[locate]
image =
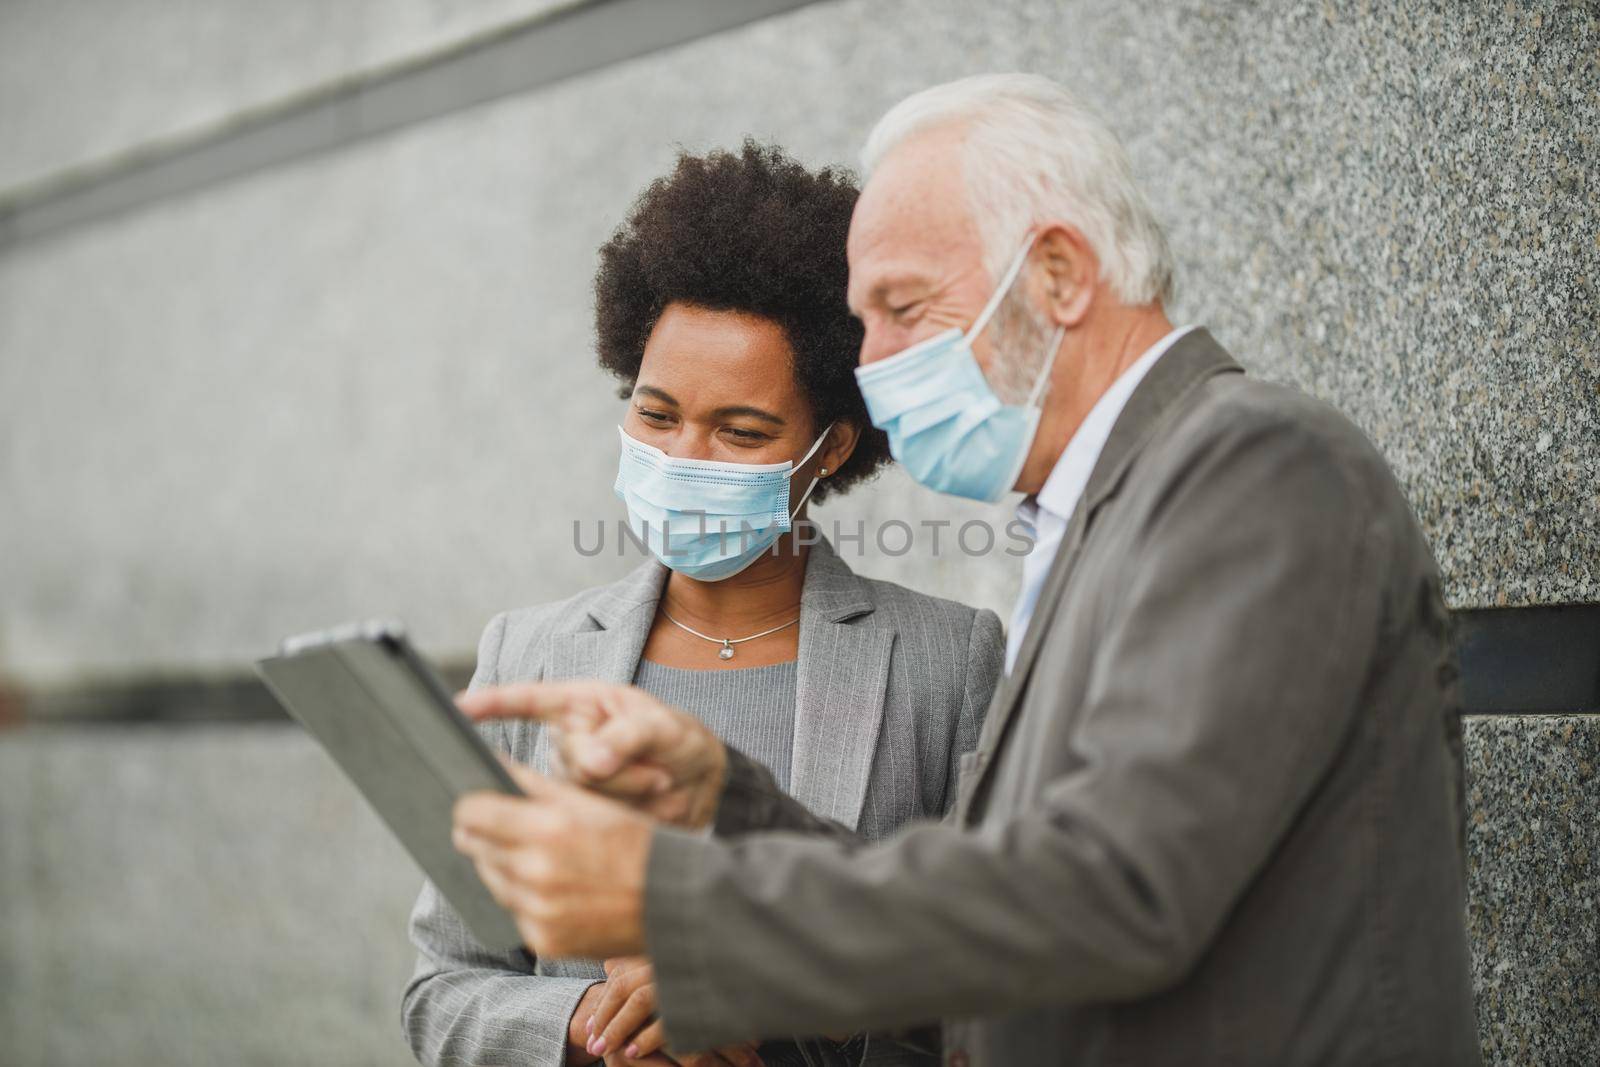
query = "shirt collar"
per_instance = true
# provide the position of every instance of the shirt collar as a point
(1070, 476)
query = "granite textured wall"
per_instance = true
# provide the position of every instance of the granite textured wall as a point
(360, 384)
(328, 389)
(1533, 836)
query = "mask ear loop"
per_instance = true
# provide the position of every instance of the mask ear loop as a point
(1036, 396)
(814, 478)
(1035, 409)
(1001, 290)
(1042, 382)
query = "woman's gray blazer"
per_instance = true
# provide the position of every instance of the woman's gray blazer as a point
(892, 689)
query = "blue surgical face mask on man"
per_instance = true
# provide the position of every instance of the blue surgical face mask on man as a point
(945, 424)
(703, 518)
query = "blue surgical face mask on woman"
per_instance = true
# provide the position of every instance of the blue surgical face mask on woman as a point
(945, 425)
(703, 518)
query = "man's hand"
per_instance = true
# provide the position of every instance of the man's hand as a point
(569, 866)
(620, 742)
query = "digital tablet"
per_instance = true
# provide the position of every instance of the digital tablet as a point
(389, 721)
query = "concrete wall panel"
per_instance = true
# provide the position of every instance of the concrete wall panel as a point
(84, 82)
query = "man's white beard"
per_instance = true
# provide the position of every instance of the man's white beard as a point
(1019, 337)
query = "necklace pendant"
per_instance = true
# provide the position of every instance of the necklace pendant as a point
(725, 652)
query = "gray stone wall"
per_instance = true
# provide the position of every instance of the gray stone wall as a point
(334, 388)
(360, 384)
(1533, 837)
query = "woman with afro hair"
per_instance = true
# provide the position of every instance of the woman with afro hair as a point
(720, 305)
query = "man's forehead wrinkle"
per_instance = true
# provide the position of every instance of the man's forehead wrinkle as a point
(914, 216)
(916, 255)
(883, 264)
(912, 223)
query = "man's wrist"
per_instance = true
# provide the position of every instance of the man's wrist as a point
(719, 785)
(743, 799)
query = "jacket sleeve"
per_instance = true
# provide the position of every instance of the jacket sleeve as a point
(751, 801)
(466, 1004)
(1225, 677)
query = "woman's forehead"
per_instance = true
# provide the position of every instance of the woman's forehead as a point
(712, 359)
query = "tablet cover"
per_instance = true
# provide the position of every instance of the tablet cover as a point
(389, 723)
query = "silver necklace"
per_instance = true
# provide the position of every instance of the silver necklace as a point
(727, 643)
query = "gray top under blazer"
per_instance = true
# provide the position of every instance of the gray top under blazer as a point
(892, 689)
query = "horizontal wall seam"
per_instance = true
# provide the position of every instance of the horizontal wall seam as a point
(1515, 662)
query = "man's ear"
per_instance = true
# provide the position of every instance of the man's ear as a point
(837, 448)
(1066, 273)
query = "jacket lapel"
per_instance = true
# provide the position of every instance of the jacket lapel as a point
(839, 692)
(619, 621)
(839, 697)
(1193, 359)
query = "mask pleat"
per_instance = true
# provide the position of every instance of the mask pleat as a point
(704, 518)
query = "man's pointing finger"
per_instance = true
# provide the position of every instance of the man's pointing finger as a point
(570, 703)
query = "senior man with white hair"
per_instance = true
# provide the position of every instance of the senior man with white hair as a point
(1214, 814)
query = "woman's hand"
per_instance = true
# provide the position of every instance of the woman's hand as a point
(624, 1018)
(625, 1021)
(578, 1029)
(580, 1034)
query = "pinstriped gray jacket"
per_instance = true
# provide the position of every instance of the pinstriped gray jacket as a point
(892, 688)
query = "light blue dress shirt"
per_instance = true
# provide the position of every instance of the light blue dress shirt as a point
(1047, 513)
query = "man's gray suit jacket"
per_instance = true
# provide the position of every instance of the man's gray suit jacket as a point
(1214, 814)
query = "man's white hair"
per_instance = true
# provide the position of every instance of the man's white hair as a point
(1034, 151)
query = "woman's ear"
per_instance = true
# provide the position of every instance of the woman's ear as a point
(842, 438)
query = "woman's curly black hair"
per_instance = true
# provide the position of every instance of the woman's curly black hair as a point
(754, 232)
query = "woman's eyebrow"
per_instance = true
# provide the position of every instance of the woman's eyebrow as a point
(720, 413)
(749, 412)
(660, 394)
